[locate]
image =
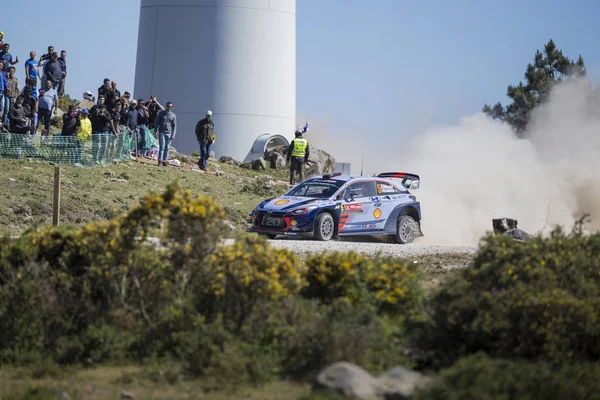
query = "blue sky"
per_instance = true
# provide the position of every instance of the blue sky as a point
(377, 67)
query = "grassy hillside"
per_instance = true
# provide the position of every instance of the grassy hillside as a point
(91, 194)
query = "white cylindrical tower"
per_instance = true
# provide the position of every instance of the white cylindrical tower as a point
(236, 58)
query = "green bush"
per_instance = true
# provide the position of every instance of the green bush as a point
(535, 300)
(480, 377)
(390, 285)
(86, 294)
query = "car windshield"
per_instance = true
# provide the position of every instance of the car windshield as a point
(317, 188)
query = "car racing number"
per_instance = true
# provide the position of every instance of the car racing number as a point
(268, 220)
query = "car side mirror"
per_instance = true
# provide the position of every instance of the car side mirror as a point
(414, 185)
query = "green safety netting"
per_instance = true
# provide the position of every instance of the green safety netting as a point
(145, 140)
(96, 150)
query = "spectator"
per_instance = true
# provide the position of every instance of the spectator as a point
(124, 110)
(30, 103)
(53, 71)
(3, 86)
(48, 100)
(153, 108)
(31, 67)
(11, 92)
(104, 89)
(63, 63)
(101, 129)
(18, 119)
(116, 118)
(113, 96)
(143, 121)
(7, 57)
(85, 126)
(131, 122)
(45, 58)
(204, 134)
(166, 126)
(71, 122)
(1, 38)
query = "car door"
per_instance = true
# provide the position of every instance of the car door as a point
(356, 210)
(387, 199)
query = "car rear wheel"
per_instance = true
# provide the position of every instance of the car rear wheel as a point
(324, 227)
(406, 230)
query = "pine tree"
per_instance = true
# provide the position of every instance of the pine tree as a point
(548, 68)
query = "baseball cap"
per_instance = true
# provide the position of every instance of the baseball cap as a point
(209, 112)
(85, 111)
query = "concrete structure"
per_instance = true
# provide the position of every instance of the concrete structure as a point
(236, 58)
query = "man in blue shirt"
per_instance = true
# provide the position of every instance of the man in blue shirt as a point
(7, 57)
(3, 85)
(31, 67)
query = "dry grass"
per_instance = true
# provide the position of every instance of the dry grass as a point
(88, 194)
(109, 383)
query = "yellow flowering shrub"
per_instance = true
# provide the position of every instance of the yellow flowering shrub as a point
(536, 299)
(108, 268)
(249, 271)
(389, 283)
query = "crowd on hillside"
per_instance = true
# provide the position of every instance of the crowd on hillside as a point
(27, 109)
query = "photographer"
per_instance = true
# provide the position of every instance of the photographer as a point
(71, 121)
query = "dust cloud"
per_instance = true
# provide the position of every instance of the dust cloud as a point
(478, 170)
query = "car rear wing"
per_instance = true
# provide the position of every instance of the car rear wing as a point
(409, 181)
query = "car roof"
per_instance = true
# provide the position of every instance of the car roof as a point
(347, 178)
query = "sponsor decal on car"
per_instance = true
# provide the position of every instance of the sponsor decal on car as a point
(352, 208)
(377, 213)
(280, 202)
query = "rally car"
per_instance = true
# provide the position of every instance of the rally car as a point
(335, 205)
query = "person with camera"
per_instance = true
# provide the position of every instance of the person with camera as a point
(102, 127)
(71, 122)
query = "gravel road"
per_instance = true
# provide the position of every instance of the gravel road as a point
(369, 248)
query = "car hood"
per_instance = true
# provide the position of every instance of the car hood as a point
(285, 203)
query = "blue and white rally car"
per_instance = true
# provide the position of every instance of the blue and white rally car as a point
(335, 205)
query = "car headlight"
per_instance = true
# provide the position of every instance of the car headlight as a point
(303, 210)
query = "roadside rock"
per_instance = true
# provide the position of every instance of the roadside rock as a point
(508, 227)
(326, 160)
(259, 164)
(401, 383)
(518, 234)
(347, 379)
(229, 160)
(127, 395)
(276, 159)
(352, 381)
(313, 169)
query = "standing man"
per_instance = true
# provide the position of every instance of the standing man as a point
(48, 102)
(63, 63)
(7, 57)
(31, 67)
(298, 153)
(3, 86)
(204, 133)
(53, 71)
(11, 92)
(166, 127)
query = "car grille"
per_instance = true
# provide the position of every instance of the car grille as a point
(272, 220)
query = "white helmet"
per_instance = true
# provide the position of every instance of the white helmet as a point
(88, 95)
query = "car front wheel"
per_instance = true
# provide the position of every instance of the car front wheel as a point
(406, 230)
(324, 227)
